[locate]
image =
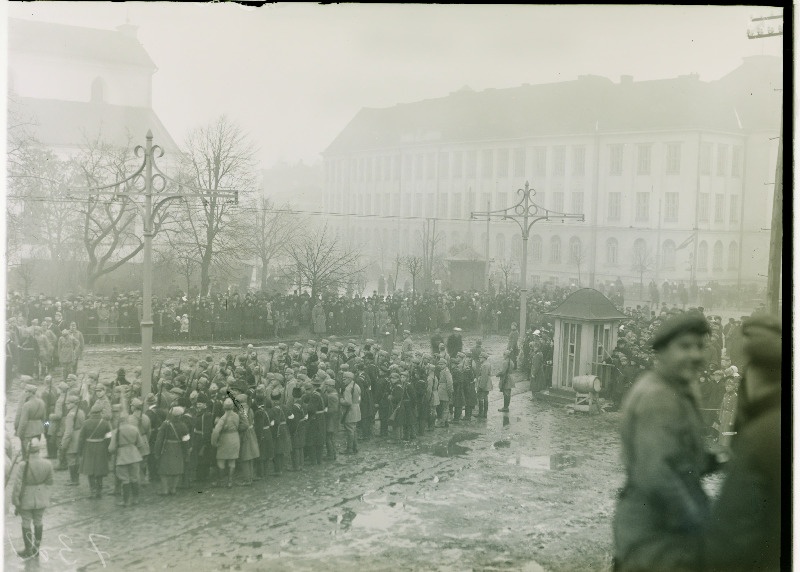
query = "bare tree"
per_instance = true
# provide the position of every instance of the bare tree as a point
(218, 156)
(430, 239)
(25, 271)
(269, 230)
(507, 267)
(414, 265)
(109, 231)
(641, 263)
(578, 257)
(320, 261)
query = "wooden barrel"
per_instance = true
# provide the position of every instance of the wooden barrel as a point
(586, 384)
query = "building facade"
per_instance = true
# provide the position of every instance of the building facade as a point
(673, 176)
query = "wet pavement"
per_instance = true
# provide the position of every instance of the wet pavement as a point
(529, 490)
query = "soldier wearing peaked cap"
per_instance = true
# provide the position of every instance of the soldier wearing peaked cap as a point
(93, 449)
(31, 497)
(31, 415)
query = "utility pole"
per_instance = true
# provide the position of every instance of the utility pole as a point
(150, 182)
(526, 213)
(765, 27)
(488, 219)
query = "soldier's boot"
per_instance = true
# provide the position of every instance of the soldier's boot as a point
(37, 540)
(302, 457)
(117, 487)
(469, 414)
(92, 487)
(294, 460)
(99, 481)
(27, 538)
(74, 477)
(134, 493)
(126, 494)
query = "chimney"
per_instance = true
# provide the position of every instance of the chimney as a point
(625, 79)
(128, 30)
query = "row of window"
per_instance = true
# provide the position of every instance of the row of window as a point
(506, 162)
(462, 205)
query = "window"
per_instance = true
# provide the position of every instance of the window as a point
(486, 198)
(98, 90)
(408, 167)
(470, 204)
(429, 200)
(502, 200)
(671, 207)
(703, 210)
(642, 207)
(456, 206)
(615, 161)
(555, 250)
(559, 158)
(705, 158)
(430, 166)
(519, 162)
(516, 247)
(458, 164)
(540, 161)
(472, 163)
(673, 158)
(536, 248)
(612, 247)
(575, 250)
(418, 166)
(558, 202)
(736, 161)
(734, 207)
(502, 163)
(488, 163)
(442, 205)
(614, 202)
(578, 160)
(500, 248)
(639, 248)
(733, 256)
(702, 256)
(643, 163)
(668, 255)
(719, 208)
(444, 165)
(722, 160)
(717, 258)
(577, 203)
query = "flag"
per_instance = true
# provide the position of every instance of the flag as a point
(686, 242)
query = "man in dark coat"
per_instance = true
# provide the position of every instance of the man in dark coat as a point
(745, 527)
(662, 509)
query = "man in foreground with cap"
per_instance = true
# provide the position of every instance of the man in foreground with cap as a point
(29, 423)
(31, 496)
(744, 532)
(662, 509)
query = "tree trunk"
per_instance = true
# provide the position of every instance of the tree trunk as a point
(205, 278)
(264, 265)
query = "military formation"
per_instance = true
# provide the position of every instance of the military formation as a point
(242, 418)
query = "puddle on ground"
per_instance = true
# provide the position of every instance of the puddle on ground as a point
(504, 444)
(544, 462)
(451, 447)
(380, 513)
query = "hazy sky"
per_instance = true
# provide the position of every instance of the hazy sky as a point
(294, 75)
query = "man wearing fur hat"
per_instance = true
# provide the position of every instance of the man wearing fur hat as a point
(31, 496)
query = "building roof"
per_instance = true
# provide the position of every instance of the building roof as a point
(587, 304)
(76, 42)
(585, 105)
(72, 124)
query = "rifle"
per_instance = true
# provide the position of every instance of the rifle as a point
(13, 464)
(24, 475)
(158, 386)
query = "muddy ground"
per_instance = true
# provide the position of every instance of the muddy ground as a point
(530, 490)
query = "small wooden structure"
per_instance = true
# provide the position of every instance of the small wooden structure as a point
(586, 325)
(467, 270)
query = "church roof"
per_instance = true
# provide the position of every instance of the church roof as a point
(72, 124)
(587, 304)
(585, 105)
(76, 42)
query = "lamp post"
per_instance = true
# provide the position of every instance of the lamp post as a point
(525, 213)
(150, 182)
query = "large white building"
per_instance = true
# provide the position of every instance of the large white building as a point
(667, 172)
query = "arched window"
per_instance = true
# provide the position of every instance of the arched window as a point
(575, 250)
(717, 259)
(536, 248)
(555, 250)
(98, 90)
(612, 248)
(639, 247)
(516, 247)
(702, 256)
(500, 249)
(668, 255)
(733, 256)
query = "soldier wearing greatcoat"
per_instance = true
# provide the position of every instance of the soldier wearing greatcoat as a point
(31, 497)
(93, 449)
